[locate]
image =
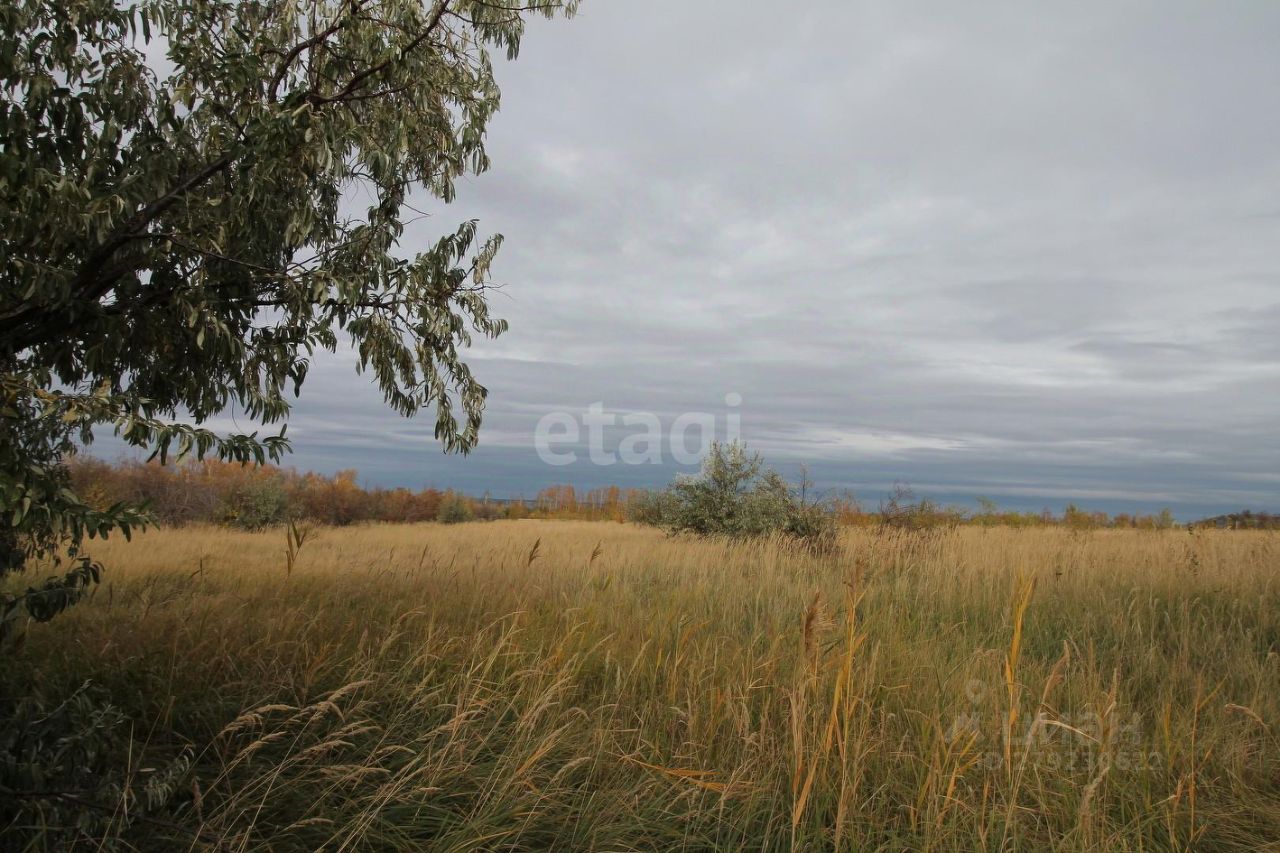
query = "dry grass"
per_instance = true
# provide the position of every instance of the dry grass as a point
(574, 685)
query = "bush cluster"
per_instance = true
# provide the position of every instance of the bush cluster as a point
(454, 509)
(245, 496)
(735, 496)
(255, 497)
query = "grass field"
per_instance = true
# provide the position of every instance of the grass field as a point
(595, 686)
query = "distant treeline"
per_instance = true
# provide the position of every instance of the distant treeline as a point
(254, 497)
(1246, 520)
(251, 498)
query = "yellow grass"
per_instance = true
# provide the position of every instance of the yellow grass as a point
(596, 686)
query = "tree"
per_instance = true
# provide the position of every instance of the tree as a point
(200, 194)
(733, 495)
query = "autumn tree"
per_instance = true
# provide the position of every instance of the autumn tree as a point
(198, 195)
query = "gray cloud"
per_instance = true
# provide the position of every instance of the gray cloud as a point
(1008, 249)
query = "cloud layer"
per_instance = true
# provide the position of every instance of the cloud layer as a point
(1027, 253)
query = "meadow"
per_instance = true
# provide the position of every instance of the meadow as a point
(560, 685)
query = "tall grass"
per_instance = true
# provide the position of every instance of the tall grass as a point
(573, 685)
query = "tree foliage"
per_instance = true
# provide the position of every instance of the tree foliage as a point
(200, 194)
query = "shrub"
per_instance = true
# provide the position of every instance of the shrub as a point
(454, 508)
(735, 496)
(62, 781)
(256, 504)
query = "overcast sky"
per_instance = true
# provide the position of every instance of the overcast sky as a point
(994, 249)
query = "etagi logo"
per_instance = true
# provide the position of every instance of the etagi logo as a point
(558, 436)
